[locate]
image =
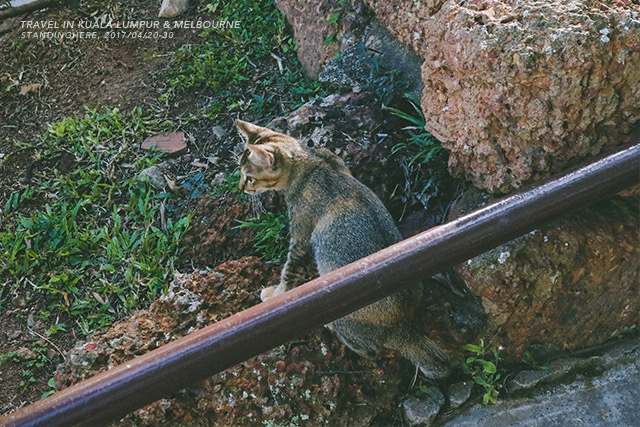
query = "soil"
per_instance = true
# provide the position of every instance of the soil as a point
(75, 75)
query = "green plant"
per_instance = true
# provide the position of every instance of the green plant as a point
(52, 384)
(421, 390)
(101, 242)
(484, 371)
(272, 238)
(54, 329)
(30, 365)
(226, 60)
(424, 146)
(422, 157)
(528, 359)
(230, 185)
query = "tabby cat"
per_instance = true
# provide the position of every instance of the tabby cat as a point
(336, 220)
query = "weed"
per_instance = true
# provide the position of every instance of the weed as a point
(528, 359)
(423, 159)
(421, 390)
(52, 384)
(483, 371)
(29, 365)
(425, 146)
(272, 237)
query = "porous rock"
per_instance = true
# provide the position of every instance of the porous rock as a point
(570, 284)
(518, 90)
(319, 40)
(214, 235)
(314, 380)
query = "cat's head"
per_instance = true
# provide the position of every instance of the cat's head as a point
(264, 160)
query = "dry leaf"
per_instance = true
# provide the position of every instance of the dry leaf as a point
(97, 297)
(33, 87)
(171, 183)
(66, 298)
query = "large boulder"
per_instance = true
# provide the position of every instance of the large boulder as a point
(570, 284)
(517, 90)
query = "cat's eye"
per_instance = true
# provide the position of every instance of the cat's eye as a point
(249, 180)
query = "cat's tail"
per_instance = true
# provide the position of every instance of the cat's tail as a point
(419, 349)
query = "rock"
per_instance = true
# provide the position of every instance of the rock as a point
(421, 411)
(304, 117)
(13, 334)
(350, 112)
(569, 284)
(459, 393)
(530, 379)
(33, 321)
(390, 54)
(155, 177)
(80, 359)
(309, 380)
(160, 174)
(9, 24)
(278, 124)
(561, 368)
(219, 133)
(349, 69)
(172, 8)
(213, 237)
(317, 38)
(26, 354)
(518, 90)
(173, 143)
(308, 18)
(19, 301)
(609, 398)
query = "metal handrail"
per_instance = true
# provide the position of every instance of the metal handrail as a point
(112, 394)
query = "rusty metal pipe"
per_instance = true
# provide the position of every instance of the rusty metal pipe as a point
(145, 379)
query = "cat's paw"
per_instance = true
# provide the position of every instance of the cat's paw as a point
(269, 292)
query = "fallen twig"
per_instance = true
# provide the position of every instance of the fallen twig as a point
(49, 341)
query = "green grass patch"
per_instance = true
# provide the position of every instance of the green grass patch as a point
(272, 237)
(226, 61)
(102, 242)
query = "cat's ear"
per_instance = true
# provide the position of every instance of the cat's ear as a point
(261, 155)
(250, 132)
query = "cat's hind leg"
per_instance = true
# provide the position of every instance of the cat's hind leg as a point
(419, 349)
(357, 337)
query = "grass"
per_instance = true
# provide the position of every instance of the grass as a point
(229, 186)
(272, 236)
(101, 242)
(227, 60)
(423, 159)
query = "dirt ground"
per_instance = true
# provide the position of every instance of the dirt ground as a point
(73, 75)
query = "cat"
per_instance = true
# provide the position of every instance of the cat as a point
(335, 220)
